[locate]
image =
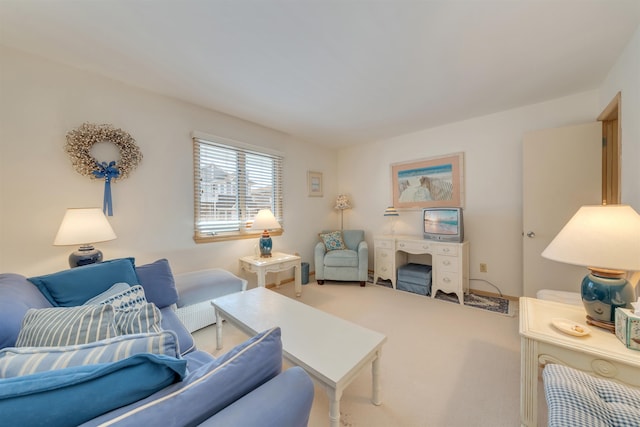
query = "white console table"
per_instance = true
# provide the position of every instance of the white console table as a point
(449, 261)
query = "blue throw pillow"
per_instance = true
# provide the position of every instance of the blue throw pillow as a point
(209, 388)
(73, 287)
(71, 396)
(19, 361)
(158, 283)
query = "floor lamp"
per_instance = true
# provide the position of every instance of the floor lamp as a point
(342, 203)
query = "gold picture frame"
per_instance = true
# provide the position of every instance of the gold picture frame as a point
(314, 184)
(432, 182)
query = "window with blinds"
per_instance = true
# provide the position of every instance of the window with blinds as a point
(232, 182)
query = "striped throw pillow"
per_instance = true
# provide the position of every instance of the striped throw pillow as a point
(145, 319)
(61, 326)
(18, 361)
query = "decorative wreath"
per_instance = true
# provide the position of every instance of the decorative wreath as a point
(80, 141)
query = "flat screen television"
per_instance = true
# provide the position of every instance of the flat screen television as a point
(443, 224)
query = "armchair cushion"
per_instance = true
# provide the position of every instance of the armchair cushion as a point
(333, 240)
(341, 258)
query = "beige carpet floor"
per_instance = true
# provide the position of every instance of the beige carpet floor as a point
(443, 365)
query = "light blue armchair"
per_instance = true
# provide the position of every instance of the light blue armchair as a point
(350, 264)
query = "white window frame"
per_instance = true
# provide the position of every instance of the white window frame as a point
(227, 195)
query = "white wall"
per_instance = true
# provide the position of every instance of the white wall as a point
(624, 77)
(492, 146)
(153, 209)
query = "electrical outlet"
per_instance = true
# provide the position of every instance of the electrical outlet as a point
(483, 267)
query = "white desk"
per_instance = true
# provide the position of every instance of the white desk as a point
(449, 261)
(599, 353)
(309, 338)
(274, 264)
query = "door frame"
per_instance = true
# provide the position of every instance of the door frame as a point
(611, 150)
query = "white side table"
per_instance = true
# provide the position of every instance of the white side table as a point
(274, 264)
(600, 353)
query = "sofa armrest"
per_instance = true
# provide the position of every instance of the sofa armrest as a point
(285, 401)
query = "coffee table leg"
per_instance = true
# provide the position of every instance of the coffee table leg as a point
(334, 406)
(375, 374)
(218, 330)
(297, 274)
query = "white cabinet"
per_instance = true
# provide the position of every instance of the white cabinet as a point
(449, 262)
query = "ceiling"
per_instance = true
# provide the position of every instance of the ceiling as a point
(335, 72)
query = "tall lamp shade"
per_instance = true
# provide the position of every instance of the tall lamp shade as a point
(84, 226)
(606, 240)
(342, 203)
(265, 220)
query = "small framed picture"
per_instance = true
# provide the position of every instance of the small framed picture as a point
(314, 184)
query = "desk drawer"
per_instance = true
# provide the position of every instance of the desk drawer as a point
(448, 282)
(447, 264)
(383, 244)
(450, 250)
(414, 247)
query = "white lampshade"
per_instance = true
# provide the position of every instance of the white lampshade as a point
(83, 226)
(604, 237)
(265, 220)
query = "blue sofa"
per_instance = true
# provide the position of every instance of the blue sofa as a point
(179, 386)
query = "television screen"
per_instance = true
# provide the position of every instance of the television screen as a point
(443, 224)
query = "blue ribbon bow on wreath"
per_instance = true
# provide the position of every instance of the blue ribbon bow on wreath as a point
(108, 172)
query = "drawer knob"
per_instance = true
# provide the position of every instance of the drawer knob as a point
(383, 254)
(447, 262)
(446, 280)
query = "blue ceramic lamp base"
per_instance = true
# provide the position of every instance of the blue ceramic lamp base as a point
(265, 245)
(602, 292)
(85, 255)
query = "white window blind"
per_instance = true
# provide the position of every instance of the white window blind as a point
(231, 184)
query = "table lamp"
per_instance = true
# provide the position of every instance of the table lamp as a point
(393, 214)
(84, 226)
(265, 220)
(606, 240)
(342, 203)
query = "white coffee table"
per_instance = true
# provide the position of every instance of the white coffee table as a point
(277, 262)
(333, 351)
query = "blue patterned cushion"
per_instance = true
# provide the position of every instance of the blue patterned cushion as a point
(145, 319)
(73, 287)
(575, 398)
(114, 290)
(60, 326)
(131, 298)
(18, 361)
(69, 397)
(333, 241)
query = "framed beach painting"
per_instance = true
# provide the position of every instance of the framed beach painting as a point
(314, 184)
(426, 183)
